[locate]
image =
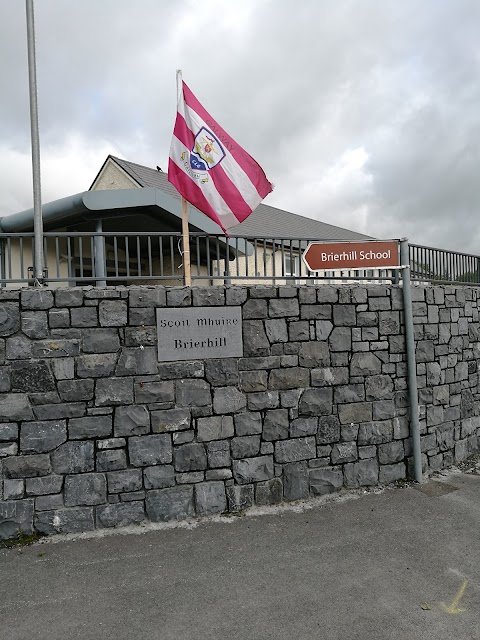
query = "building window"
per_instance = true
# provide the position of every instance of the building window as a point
(291, 265)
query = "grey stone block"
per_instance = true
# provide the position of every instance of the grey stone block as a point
(68, 298)
(84, 317)
(316, 311)
(159, 477)
(75, 390)
(41, 437)
(175, 370)
(228, 400)
(295, 481)
(34, 324)
(365, 364)
(214, 428)
(255, 341)
(73, 520)
(248, 423)
(46, 503)
(276, 425)
(425, 351)
(182, 437)
(235, 295)
(54, 348)
(8, 449)
(73, 457)
(132, 420)
(124, 481)
(59, 411)
(150, 450)
(157, 391)
(375, 433)
(361, 474)
(323, 329)
(96, 366)
(44, 485)
(392, 472)
(340, 339)
(140, 336)
(325, 480)
(295, 449)
(141, 317)
(36, 299)
(193, 393)
(147, 297)
(299, 330)
(245, 446)
(218, 474)
(383, 410)
(253, 469)
(9, 318)
(63, 368)
(26, 466)
(316, 402)
(90, 427)
(329, 376)
(210, 498)
(19, 347)
(58, 318)
(379, 387)
(301, 427)
(136, 361)
(8, 431)
(208, 297)
(16, 517)
(190, 477)
(222, 372)
(13, 489)
(240, 497)
(281, 308)
(269, 492)
(276, 330)
(121, 514)
(190, 457)
(171, 420)
(112, 313)
(31, 376)
(355, 412)
(85, 489)
(111, 460)
(349, 393)
(175, 503)
(344, 315)
(100, 341)
(218, 453)
(252, 381)
(344, 452)
(114, 391)
(255, 309)
(289, 378)
(314, 354)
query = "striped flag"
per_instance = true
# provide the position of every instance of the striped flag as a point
(209, 169)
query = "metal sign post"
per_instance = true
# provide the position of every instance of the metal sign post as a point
(38, 263)
(411, 362)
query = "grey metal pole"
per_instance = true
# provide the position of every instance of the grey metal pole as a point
(38, 264)
(100, 257)
(411, 362)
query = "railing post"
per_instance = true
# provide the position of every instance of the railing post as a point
(411, 361)
(99, 258)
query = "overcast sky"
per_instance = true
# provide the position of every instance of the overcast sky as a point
(363, 113)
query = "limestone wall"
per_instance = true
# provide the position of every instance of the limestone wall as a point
(95, 432)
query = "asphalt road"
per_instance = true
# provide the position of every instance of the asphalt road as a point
(360, 568)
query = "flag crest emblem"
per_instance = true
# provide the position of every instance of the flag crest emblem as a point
(207, 151)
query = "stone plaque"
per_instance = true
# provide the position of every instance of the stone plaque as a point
(198, 333)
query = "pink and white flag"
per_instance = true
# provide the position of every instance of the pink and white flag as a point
(209, 169)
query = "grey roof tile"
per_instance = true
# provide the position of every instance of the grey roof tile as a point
(262, 223)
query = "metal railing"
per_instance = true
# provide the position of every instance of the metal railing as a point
(428, 264)
(77, 258)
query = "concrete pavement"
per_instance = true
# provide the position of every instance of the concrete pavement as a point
(359, 568)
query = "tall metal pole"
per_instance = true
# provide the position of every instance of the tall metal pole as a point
(185, 232)
(99, 261)
(411, 361)
(38, 263)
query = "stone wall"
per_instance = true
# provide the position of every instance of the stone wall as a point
(94, 432)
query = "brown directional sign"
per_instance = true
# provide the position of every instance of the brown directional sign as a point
(319, 256)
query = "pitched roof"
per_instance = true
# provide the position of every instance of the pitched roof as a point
(264, 222)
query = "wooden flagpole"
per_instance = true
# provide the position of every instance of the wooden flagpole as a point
(185, 232)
